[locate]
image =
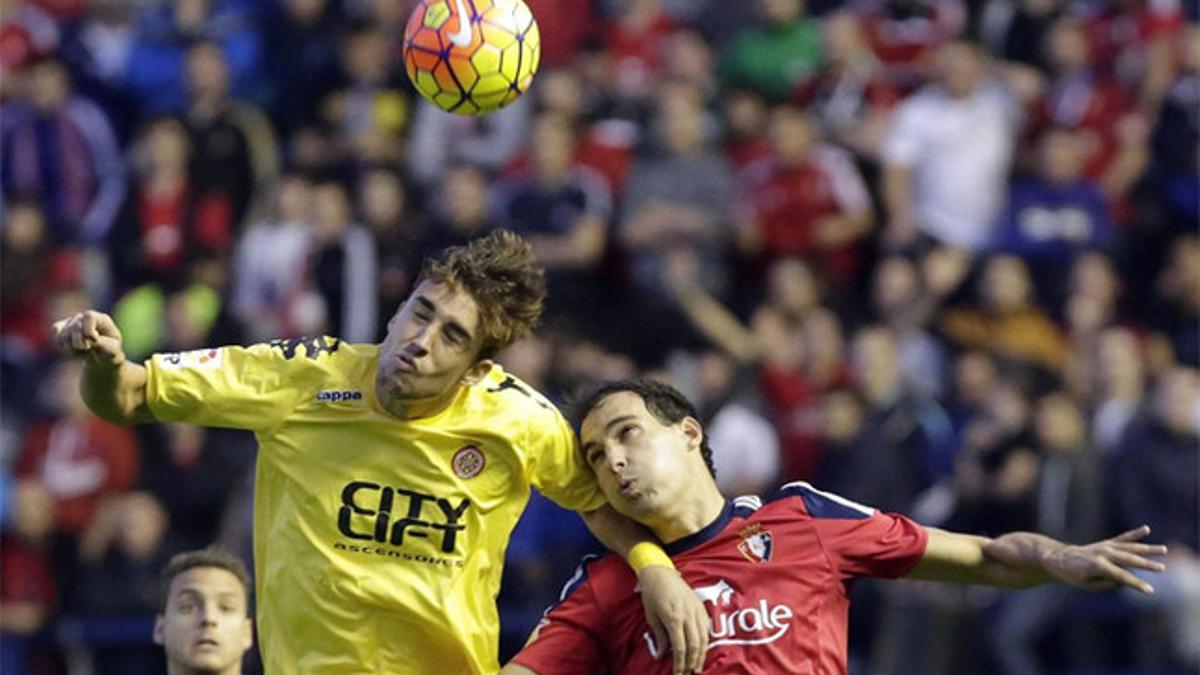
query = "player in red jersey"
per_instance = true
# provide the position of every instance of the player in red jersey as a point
(771, 572)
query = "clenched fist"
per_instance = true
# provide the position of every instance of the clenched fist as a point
(91, 335)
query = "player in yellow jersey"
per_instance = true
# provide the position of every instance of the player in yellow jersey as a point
(390, 476)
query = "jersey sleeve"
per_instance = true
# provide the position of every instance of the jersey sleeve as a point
(567, 640)
(556, 467)
(236, 387)
(861, 541)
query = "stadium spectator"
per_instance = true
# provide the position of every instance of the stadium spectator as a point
(562, 210)
(59, 149)
(948, 153)
(851, 96)
(439, 142)
(28, 591)
(80, 459)
(233, 158)
(342, 265)
(907, 34)
(1008, 322)
(1068, 507)
(384, 206)
(157, 65)
(301, 54)
(1059, 211)
(1177, 313)
(677, 203)
(368, 110)
(1157, 478)
(901, 302)
(272, 288)
(808, 200)
(776, 57)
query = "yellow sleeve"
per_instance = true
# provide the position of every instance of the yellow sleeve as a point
(556, 468)
(237, 387)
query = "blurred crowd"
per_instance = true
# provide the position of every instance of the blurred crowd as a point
(938, 256)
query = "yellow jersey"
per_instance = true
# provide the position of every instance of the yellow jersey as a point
(378, 542)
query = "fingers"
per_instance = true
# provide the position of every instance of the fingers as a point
(678, 648)
(1132, 535)
(1132, 561)
(1157, 550)
(1123, 577)
(660, 637)
(90, 326)
(696, 645)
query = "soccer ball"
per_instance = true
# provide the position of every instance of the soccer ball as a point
(471, 57)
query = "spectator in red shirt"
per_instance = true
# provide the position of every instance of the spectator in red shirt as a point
(808, 200)
(27, 588)
(78, 457)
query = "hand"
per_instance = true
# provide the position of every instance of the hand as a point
(675, 612)
(91, 335)
(1105, 564)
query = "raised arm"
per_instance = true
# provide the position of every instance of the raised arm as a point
(673, 611)
(112, 387)
(1025, 559)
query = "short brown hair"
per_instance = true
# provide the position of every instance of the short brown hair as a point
(502, 276)
(213, 556)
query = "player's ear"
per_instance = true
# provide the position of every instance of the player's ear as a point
(693, 430)
(477, 372)
(158, 629)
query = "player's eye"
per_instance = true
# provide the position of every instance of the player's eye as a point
(626, 432)
(595, 455)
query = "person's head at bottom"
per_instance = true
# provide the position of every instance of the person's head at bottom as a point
(205, 626)
(650, 455)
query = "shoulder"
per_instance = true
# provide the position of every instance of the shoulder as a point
(502, 392)
(601, 576)
(809, 502)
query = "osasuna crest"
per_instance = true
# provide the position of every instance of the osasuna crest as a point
(756, 544)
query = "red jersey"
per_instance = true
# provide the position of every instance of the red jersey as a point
(772, 573)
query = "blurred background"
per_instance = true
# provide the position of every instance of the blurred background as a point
(939, 256)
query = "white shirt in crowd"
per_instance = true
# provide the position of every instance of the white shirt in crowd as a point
(959, 151)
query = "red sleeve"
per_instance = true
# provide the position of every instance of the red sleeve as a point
(567, 640)
(859, 540)
(881, 545)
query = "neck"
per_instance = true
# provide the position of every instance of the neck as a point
(174, 668)
(689, 514)
(412, 409)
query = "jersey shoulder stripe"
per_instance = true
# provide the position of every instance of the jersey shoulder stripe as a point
(746, 505)
(821, 504)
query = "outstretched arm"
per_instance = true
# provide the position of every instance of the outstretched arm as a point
(112, 387)
(1025, 559)
(673, 611)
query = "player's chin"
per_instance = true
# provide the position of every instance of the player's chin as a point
(213, 660)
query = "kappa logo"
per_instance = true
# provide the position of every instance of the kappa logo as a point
(338, 395)
(735, 622)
